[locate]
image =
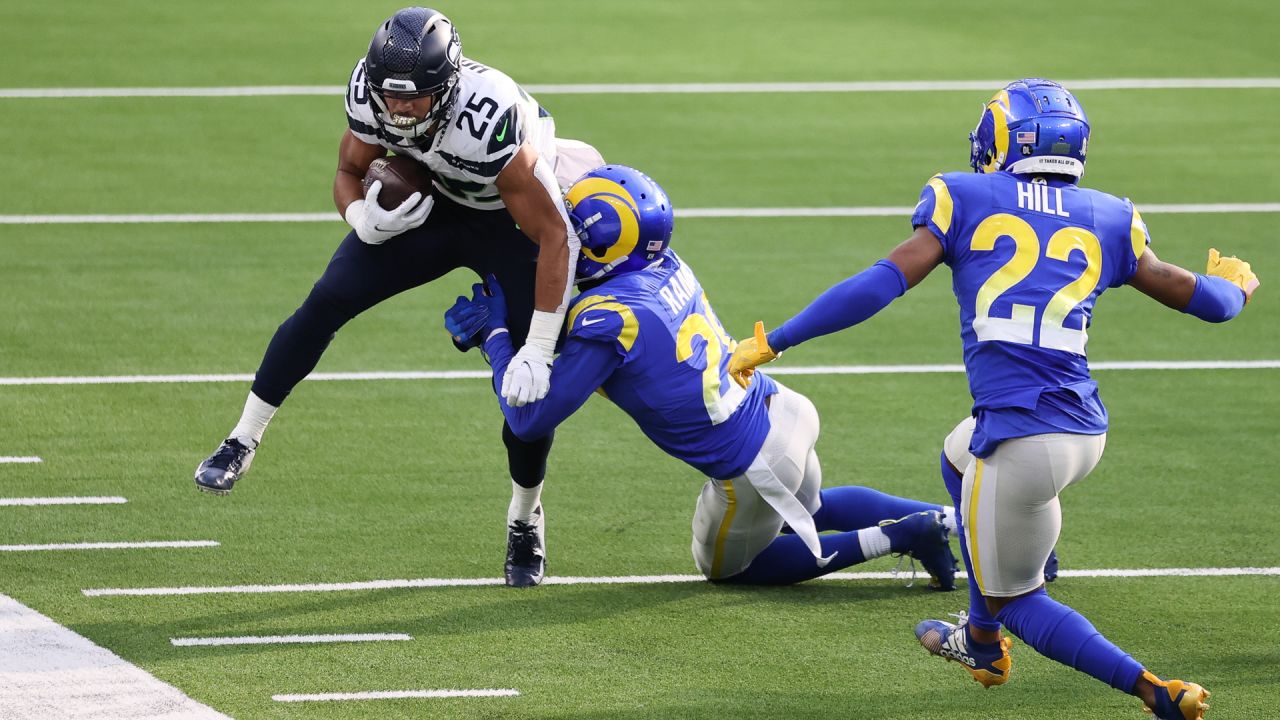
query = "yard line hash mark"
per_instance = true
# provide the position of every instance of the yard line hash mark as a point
(287, 639)
(483, 375)
(10, 459)
(14, 502)
(781, 212)
(398, 695)
(622, 580)
(1257, 83)
(111, 545)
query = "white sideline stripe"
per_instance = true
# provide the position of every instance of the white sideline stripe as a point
(795, 212)
(48, 671)
(10, 502)
(287, 639)
(111, 545)
(617, 580)
(668, 88)
(483, 375)
(10, 459)
(398, 695)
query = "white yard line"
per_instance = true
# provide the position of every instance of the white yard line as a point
(482, 374)
(616, 580)
(11, 459)
(287, 639)
(111, 545)
(398, 695)
(12, 502)
(791, 212)
(48, 671)
(987, 86)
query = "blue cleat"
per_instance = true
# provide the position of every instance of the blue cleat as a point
(1177, 699)
(526, 552)
(989, 667)
(923, 536)
(1051, 566)
(218, 473)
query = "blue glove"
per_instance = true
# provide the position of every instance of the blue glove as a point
(489, 294)
(466, 322)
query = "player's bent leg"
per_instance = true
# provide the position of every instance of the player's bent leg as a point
(526, 563)
(955, 459)
(853, 507)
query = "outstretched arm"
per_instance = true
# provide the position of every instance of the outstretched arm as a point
(581, 368)
(1217, 296)
(844, 305)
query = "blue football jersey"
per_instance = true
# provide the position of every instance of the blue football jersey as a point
(673, 379)
(1028, 260)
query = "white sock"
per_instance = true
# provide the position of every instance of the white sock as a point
(523, 502)
(874, 542)
(949, 519)
(253, 422)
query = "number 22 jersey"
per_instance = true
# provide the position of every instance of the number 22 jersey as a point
(1028, 260)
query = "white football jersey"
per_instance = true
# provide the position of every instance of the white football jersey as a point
(492, 117)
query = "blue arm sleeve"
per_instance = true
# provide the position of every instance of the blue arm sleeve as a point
(582, 367)
(1215, 299)
(844, 305)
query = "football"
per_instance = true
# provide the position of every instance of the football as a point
(401, 177)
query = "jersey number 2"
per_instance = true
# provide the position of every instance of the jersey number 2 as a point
(1020, 326)
(719, 406)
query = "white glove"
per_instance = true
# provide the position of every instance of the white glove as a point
(376, 226)
(528, 376)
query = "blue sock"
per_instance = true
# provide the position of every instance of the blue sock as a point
(1060, 633)
(979, 616)
(853, 507)
(786, 560)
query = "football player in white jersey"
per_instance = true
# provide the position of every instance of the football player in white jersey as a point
(496, 209)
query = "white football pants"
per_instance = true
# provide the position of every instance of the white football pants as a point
(732, 522)
(1009, 503)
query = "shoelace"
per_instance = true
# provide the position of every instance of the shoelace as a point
(229, 452)
(897, 569)
(523, 538)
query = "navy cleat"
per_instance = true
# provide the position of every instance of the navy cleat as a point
(1051, 566)
(1177, 699)
(923, 536)
(989, 666)
(219, 473)
(526, 552)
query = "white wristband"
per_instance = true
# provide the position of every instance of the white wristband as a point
(496, 332)
(354, 214)
(544, 330)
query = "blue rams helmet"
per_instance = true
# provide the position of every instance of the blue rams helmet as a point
(1032, 126)
(416, 53)
(623, 218)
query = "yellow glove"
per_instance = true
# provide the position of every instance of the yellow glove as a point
(750, 353)
(1233, 270)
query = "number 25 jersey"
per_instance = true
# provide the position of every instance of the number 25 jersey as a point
(1028, 260)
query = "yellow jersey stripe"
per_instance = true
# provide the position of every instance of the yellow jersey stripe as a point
(630, 326)
(1138, 235)
(971, 526)
(723, 532)
(942, 205)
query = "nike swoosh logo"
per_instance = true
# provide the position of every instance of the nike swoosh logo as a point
(921, 202)
(502, 134)
(592, 322)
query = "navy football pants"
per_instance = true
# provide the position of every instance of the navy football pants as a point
(360, 276)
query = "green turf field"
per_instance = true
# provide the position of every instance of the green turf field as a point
(378, 480)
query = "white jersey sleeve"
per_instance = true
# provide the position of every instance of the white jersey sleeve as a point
(360, 114)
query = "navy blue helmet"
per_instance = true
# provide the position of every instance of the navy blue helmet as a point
(416, 53)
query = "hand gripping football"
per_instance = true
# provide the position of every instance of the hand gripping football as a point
(401, 177)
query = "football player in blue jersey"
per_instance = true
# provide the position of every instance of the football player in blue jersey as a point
(643, 333)
(1029, 251)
